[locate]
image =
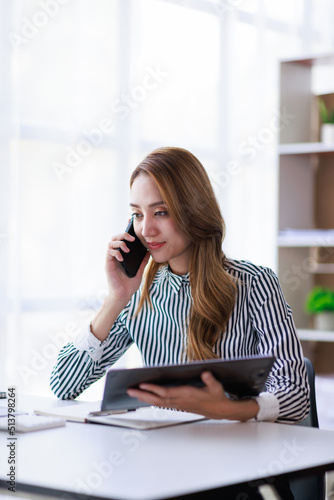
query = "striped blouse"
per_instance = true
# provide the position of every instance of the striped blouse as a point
(261, 324)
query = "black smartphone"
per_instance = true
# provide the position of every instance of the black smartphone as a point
(134, 258)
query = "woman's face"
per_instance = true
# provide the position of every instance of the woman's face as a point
(156, 228)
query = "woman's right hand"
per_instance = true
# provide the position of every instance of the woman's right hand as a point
(121, 287)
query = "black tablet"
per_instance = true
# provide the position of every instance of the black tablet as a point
(242, 377)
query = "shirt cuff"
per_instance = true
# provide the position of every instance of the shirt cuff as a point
(86, 341)
(268, 406)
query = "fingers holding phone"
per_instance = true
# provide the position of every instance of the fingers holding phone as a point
(119, 245)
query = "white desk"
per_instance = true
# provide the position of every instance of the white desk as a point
(123, 464)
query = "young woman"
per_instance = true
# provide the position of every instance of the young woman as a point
(192, 303)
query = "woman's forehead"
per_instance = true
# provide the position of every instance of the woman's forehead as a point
(144, 191)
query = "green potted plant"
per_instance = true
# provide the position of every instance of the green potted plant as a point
(327, 123)
(320, 303)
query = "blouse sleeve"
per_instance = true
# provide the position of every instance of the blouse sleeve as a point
(287, 389)
(84, 361)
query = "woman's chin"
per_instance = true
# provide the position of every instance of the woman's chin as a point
(159, 259)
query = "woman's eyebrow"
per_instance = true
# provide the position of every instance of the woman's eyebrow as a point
(155, 204)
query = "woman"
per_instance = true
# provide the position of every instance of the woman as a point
(194, 303)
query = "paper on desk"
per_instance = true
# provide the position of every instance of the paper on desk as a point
(148, 418)
(72, 412)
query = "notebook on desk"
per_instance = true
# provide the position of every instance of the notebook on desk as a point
(141, 419)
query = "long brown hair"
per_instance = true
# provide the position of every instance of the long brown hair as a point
(186, 189)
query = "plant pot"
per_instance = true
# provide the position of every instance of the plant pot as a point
(324, 321)
(327, 133)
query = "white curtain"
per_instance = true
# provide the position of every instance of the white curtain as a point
(87, 89)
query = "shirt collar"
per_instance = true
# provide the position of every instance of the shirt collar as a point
(175, 280)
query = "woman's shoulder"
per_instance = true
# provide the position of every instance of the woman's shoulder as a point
(260, 280)
(245, 269)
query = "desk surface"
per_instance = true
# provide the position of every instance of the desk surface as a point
(124, 464)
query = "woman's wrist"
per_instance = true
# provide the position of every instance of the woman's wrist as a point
(249, 410)
(242, 409)
(115, 301)
(106, 317)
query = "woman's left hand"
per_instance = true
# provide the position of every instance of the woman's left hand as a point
(209, 401)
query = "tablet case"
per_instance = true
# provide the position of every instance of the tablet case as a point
(241, 377)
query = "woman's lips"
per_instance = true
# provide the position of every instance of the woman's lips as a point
(155, 246)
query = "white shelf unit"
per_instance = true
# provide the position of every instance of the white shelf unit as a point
(316, 335)
(305, 148)
(305, 240)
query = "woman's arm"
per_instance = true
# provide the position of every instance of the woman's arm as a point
(273, 323)
(82, 362)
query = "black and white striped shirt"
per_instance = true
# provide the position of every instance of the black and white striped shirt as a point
(261, 323)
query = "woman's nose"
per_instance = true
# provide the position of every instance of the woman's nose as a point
(148, 227)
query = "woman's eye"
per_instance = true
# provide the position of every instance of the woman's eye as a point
(161, 213)
(136, 216)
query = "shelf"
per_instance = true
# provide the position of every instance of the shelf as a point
(306, 238)
(305, 232)
(306, 148)
(323, 268)
(312, 59)
(316, 335)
